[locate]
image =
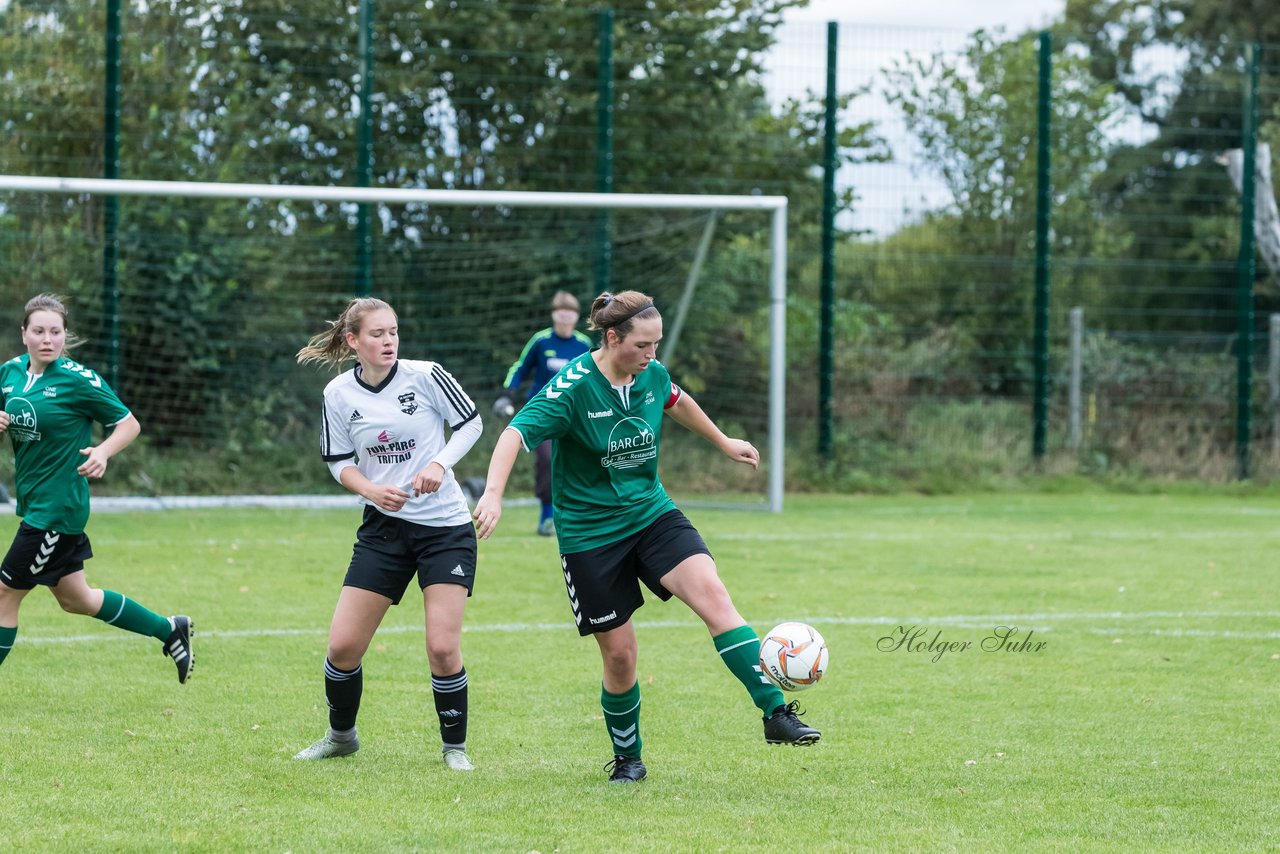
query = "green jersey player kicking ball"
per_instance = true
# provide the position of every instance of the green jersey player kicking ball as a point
(616, 525)
(50, 403)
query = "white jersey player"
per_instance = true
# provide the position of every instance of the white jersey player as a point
(383, 437)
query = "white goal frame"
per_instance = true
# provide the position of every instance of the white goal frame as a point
(776, 205)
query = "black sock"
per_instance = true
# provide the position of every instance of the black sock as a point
(342, 690)
(451, 705)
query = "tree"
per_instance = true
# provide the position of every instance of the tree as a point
(974, 115)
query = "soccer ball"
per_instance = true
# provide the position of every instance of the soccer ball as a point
(793, 656)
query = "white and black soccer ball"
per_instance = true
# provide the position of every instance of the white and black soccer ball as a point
(793, 656)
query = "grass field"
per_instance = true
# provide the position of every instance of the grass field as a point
(1148, 720)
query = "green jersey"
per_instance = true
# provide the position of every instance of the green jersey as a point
(50, 420)
(604, 460)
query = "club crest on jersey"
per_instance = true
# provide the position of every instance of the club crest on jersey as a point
(632, 442)
(407, 406)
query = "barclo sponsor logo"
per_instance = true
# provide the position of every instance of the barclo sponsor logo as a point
(22, 420)
(632, 442)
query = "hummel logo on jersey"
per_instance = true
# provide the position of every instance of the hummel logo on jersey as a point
(457, 570)
(7, 389)
(356, 416)
(608, 413)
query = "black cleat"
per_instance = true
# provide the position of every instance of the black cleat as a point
(178, 646)
(783, 727)
(625, 769)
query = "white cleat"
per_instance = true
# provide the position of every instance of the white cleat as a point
(457, 760)
(328, 747)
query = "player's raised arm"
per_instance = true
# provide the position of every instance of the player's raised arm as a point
(687, 413)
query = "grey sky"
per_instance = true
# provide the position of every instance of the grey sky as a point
(872, 34)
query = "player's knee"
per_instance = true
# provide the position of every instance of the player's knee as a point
(443, 655)
(74, 604)
(619, 661)
(345, 656)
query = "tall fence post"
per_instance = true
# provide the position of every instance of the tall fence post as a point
(604, 150)
(1040, 336)
(1076, 321)
(1245, 264)
(826, 335)
(364, 154)
(1273, 382)
(111, 204)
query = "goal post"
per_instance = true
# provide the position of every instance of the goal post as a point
(15, 187)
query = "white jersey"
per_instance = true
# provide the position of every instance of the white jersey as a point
(394, 430)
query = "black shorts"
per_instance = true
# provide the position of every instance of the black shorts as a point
(389, 551)
(43, 557)
(604, 583)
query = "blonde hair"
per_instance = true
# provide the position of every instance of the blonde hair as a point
(618, 311)
(330, 347)
(53, 303)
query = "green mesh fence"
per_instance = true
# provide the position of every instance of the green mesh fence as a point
(934, 275)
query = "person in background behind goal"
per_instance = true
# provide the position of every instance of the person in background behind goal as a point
(543, 356)
(383, 438)
(616, 524)
(50, 404)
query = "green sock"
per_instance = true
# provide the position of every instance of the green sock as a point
(7, 634)
(123, 613)
(622, 719)
(740, 651)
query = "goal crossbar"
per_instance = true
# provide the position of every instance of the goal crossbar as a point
(775, 205)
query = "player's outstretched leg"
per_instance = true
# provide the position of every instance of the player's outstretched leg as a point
(178, 646)
(785, 727)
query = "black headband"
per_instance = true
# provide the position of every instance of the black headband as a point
(624, 319)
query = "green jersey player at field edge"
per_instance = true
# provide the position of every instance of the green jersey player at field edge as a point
(50, 404)
(616, 525)
(383, 437)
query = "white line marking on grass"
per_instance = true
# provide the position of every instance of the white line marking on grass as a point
(1037, 622)
(1082, 537)
(1191, 633)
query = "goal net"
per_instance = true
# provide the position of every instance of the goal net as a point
(208, 290)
